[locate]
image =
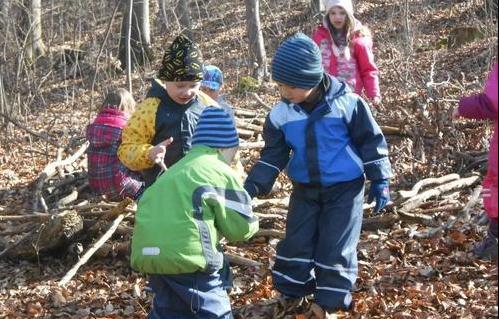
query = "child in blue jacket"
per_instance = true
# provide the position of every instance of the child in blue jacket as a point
(328, 141)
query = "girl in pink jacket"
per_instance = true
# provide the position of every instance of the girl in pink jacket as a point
(484, 106)
(346, 47)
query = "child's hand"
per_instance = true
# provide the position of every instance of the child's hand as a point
(380, 191)
(158, 152)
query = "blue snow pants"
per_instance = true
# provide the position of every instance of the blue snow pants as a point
(319, 253)
(189, 296)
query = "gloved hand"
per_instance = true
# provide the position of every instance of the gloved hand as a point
(379, 191)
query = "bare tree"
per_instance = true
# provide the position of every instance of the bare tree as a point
(163, 15)
(183, 13)
(29, 27)
(36, 36)
(140, 37)
(256, 44)
(317, 6)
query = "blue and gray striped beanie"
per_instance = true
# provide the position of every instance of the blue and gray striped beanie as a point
(298, 62)
(215, 129)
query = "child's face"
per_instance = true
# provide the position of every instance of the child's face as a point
(182, 92)
(294, 94)
(337, 17)
(214, 94)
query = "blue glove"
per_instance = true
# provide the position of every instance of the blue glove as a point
(380, 191)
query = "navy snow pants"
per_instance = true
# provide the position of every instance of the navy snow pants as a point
(189, 296)
(319, 253)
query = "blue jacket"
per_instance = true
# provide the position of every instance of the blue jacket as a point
(338, 141)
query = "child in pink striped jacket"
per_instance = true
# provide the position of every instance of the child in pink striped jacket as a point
(346, 47)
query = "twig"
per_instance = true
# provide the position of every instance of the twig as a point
(260, 101)
(72, 272)
(30, 131)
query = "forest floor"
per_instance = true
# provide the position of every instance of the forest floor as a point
(407, 270)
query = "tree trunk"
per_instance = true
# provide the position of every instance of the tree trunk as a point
(140, 38)
(492, 8)
(256, 43)
(183, 13)
(317, 6)
(36, 37)
(29, 28)
(163, 15)
(4, 13)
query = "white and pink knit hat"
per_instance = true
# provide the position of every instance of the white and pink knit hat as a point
(345, 4)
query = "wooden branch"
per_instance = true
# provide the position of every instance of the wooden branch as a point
(50, 171)
(275, 202)
(390, 130)
(418, 200)
(259, 101)
(251, 145)
(269, 216)
(245, 134)
(245, 113)
(475, 198)
(242, 261)
(249, 126)
(270, 233)
(30, 131)
(73, 196)
(428, 181)
(72, 272)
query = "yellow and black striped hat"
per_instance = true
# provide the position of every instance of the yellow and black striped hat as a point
(182, 61)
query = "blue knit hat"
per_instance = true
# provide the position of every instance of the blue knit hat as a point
(298, 62)
(215, 129)
(213, 78)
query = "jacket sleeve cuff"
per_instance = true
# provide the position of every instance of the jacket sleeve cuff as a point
(378, 170)
(251, 188)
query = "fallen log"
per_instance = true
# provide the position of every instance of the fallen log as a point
(245, 113)
(55, 232)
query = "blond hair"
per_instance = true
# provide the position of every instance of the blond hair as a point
(119, 99)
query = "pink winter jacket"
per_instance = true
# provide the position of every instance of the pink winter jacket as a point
(365, 77)
(484, 106)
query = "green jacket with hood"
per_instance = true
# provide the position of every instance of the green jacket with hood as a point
(182, 216)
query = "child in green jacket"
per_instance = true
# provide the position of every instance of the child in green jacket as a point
(181, 219)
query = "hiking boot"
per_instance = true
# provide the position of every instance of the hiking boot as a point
(487, 248)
